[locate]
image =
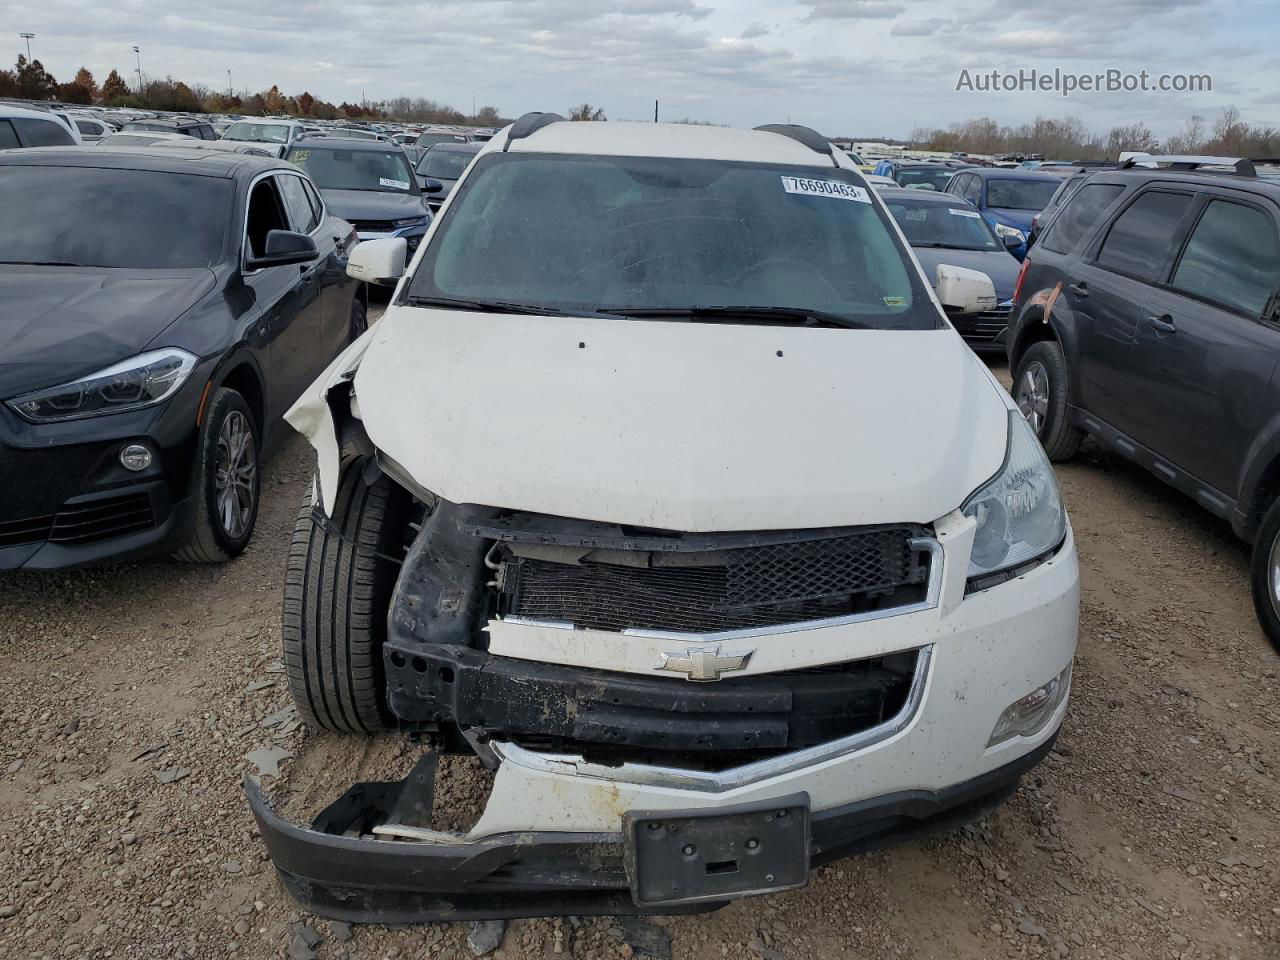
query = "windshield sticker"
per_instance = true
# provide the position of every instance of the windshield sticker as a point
(917, 215)
(394, 184)
(299, 157)
(971, 214)
(825, 188)
(894, 301)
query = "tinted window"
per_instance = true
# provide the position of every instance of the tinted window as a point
(1139, 239)
(112, 218)
(932, 224)
(42, 133)
(8, 139)
(973, 190)
(444, 164)
(594, 233)
(1079, 215)
(333, 168)
(295, 198)
(87, 126)
(1232, 257)
(923, 178)
(317, 204)
(1020, 194)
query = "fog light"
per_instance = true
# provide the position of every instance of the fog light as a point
(1028, 715)
(135, 457)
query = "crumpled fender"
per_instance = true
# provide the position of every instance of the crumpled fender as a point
(312, 416)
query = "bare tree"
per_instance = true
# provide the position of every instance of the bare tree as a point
(1134, 137)
(586, 112)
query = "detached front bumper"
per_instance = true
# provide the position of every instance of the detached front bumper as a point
(548, 873)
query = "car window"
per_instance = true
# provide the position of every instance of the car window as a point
(265, 214)
(973, 190)
(923, 178)
(336, 168)
(1020, 194)
(42, 133)
(444, 164)
(87, 126)
(604, 232)
(927, 223)
(1081, 212)
(101, 217)
(316, 203)
(1138, 241)
(301, 212)
(8, 139)
(1232, 257)
(258, 132)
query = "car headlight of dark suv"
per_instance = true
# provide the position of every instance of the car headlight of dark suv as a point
(141, 381)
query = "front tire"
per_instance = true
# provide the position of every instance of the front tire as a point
(227, 483)
(359, 319)
(1265, 575)
(1040, 390)
(338, 585)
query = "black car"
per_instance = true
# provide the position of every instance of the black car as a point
(944, 228)
(1148, 316)
(444, 164)
(368, 183)
(162, 309)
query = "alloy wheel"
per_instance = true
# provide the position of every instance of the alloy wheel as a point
(1032, 395)
(1273, 570)
(234, 471)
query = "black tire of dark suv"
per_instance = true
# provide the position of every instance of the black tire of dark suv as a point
(1040, 391)
(1265, 575)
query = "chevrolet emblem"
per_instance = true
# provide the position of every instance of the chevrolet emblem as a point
(703, 663)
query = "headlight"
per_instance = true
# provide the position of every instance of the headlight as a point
(141, 381)
(1019, 513)
(1003, 230)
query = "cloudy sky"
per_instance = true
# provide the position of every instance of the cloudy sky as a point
(854, 67)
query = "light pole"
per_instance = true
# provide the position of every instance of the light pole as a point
(28, 37)
(229, 93)
(138, 53)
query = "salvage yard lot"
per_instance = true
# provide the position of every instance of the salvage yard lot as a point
(130, 697)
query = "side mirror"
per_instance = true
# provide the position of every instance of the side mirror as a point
(964, 291)
(431, 185)
(283, 248)
(378, 261)
(1011, 243)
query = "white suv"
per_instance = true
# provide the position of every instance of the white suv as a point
(665, 486)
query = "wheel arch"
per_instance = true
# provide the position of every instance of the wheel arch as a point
(1260, 482)
(242, 375)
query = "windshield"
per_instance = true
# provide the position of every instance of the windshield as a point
(1020, 194)
(429, 139)
(580, 233)
(332, 168)
(258, 132)
(83, 216)
(932, 224)
(444, 164)
(927, 178)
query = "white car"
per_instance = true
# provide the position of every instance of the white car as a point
(20, 127)
(665, 487)
(271, 133)
(91, 129)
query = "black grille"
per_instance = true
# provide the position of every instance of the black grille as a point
(372, 226)
(100, 519)
(986, 326)
(25, 530)
(735, 589)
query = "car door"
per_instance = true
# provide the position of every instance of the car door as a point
(285, 297)
(1207, 345)
(336, 290)
(1107, 292)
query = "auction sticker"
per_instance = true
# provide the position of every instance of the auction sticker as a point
(395, 184)
(825, 188)
(972, 214)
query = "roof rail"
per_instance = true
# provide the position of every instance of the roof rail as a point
(529, 124)
(1243, 166)
(804, 135)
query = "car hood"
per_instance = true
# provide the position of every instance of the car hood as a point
(60, 323)
(373, 205)
(1000, 266)
(1011, 218)
(683, 426)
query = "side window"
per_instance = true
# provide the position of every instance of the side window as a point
(1138, 241)
(973, 190)
(87, 126)
(316, 203)
(207, 133)
(8, 139)
(1081, 212)
(956, 184)
(41, 133)
(295, 198)
(1232, 258)
(265, 214)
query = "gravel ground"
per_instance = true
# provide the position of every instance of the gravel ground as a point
(130, 697)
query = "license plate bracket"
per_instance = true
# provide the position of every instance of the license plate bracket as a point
(691, 856)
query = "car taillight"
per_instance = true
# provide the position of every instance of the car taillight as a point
(1022, 275)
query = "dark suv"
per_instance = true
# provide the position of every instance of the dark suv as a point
(1148, 317)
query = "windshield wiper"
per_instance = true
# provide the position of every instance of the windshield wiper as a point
(731, 314)
(502, 306)
(40, 263)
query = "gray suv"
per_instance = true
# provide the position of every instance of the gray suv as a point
(1148, 316)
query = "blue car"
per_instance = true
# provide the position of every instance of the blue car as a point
(1008, 199)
